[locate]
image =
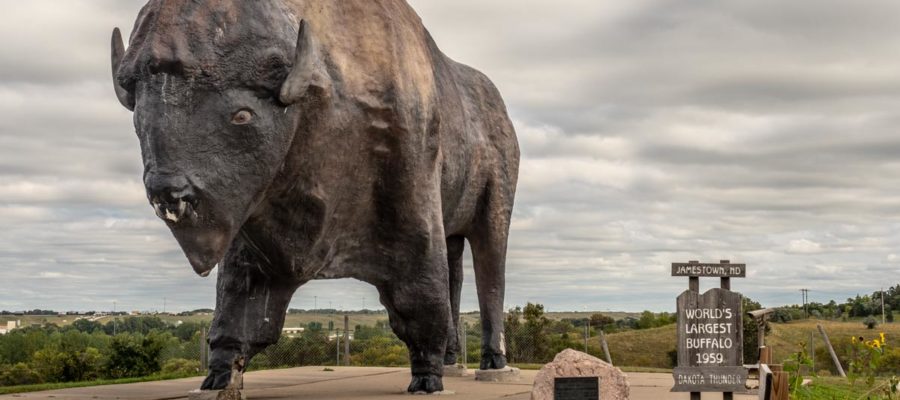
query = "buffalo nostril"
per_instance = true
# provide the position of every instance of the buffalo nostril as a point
(172, 197)
(171, 211)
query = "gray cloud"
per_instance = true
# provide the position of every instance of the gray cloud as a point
(651, 131)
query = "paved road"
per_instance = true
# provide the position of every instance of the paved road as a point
(349, 383)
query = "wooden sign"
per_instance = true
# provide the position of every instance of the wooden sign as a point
(576, 388)
(765, 382)
(710, 345)
(720, 270)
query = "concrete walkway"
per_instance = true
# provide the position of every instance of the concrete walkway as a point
(349, 383)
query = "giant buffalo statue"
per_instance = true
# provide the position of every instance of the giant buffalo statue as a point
(291, 140)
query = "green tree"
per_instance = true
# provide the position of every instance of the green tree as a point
(87, 326)
(134, 355)
(751, 331)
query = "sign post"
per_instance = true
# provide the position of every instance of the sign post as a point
(710, 332)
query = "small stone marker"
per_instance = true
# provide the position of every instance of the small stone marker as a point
(575, 370)
(576, 388)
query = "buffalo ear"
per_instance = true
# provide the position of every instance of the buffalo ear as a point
(118, 51)
(308, 72)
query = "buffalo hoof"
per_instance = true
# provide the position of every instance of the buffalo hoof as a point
(216, 380)
(428, 383)
(493, 361)
(450, 359)
(221, 365)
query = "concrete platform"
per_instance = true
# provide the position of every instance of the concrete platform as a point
(350, 383)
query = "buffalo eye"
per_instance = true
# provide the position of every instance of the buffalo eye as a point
(242, 117)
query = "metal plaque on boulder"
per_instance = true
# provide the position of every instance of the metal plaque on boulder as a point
(576, 388)
(710, 346)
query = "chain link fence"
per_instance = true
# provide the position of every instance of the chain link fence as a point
(377, 346)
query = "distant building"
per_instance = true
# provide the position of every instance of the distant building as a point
(292, 332)
(332, 336)
(10, 326)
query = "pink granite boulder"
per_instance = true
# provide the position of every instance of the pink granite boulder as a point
(572, 363)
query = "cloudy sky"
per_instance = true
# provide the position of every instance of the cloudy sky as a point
(652, 132)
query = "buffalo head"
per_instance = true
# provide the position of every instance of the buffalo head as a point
(217, 88)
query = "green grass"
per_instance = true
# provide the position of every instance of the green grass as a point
(100, 382)
(645, 348)
(838, 389)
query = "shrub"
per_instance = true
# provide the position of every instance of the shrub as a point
(18, 374)
(383, 351)
(134, 355)
(870, 323)
(49, 364)
(890, 361)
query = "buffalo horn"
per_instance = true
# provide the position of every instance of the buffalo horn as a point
(308, 71)
(118, 51)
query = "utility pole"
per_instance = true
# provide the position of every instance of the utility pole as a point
(805, 298)
(115, 319)
(882, 306)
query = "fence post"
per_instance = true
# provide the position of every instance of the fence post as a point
(587, 334)
(347, 340)
(465, 346)
(605, 347)
(834, 357)
(812, 352)
(204, 359)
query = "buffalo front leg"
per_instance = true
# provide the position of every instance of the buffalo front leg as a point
(455, 247)
(419, 312)
(250, 310)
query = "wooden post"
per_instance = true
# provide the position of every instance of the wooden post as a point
(725, 283)
(780, 385)
(605, 347)
(694, 286)
(765, 355)
(834, 357)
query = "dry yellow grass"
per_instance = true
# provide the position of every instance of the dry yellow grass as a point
(785, 338)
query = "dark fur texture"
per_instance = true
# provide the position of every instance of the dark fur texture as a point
(343, 146)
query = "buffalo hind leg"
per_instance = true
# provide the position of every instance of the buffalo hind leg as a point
(420, 316)
(488, 241)
(250, 310)
(455, 247)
